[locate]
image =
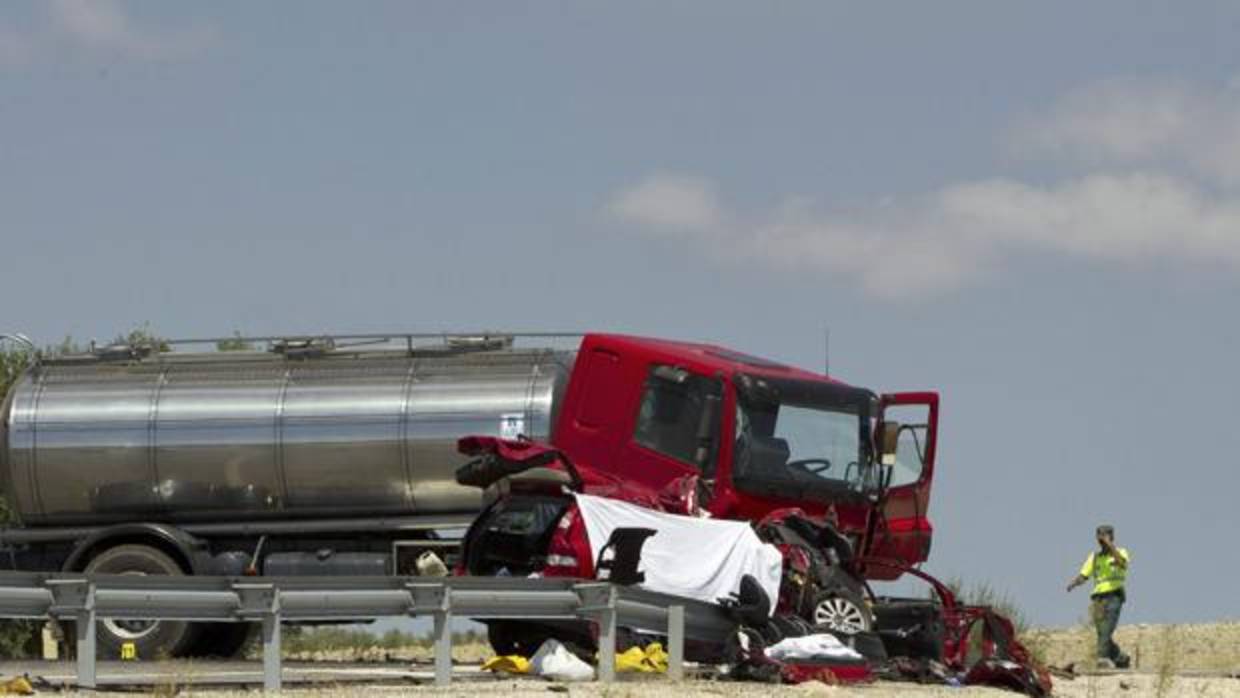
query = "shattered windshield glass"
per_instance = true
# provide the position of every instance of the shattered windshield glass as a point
(803, 433)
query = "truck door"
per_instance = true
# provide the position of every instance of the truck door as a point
(676, 430)
(901, 530)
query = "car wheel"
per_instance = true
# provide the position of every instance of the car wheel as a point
(151, 639)
(842, 610)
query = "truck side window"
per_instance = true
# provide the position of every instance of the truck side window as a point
(911, 446)
(670, 420)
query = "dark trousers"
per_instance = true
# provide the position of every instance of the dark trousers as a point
(1105, 611)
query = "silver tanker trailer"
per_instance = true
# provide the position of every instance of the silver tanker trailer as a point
(312, 457)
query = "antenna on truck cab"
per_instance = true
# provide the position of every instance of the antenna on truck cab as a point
(826, 351)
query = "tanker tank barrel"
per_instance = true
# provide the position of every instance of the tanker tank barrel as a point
(309, 428)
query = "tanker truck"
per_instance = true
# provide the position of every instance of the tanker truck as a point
(337, 455)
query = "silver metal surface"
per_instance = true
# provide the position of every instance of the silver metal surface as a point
(272, 601)
(840, 614)
(205, 437)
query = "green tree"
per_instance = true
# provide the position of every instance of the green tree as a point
(143, 336)
(17, 637)
(234, 343)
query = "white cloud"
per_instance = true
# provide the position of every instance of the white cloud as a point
(1161, 161)
(15, 48)
(669, 203)
(1142, 122)
(102, 24)
(99, 26)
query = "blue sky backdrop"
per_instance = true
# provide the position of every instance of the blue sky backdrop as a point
(1032, 208)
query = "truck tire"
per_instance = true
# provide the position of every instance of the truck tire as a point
(151, 639)
(515, 637)
(221, 640)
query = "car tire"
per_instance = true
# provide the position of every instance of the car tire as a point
(840, 609)
(151, 639)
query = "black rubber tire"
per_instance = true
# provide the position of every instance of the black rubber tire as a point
(515, 637)
(771, 634)
(156, 640)
(221, 640)
(841, 609)
(790, 626)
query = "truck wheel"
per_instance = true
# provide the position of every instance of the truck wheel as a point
(151, 639)
(515, 637)
(221, 640)
(842, 610)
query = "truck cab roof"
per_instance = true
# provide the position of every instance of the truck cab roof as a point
(707, 358)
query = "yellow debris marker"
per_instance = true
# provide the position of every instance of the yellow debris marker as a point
(19, 686)
(650, 660)
(508, 664)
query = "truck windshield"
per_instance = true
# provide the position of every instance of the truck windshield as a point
(804, 436)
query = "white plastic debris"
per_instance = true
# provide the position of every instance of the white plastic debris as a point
(430, 565)
(554, 661)
(819, 646)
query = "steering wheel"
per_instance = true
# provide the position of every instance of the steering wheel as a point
(806, 463)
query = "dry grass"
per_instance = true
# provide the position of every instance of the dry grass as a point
(1169, 660)
(1209, 647)
(333, 644)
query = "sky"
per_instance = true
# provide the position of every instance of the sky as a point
(1032, 208)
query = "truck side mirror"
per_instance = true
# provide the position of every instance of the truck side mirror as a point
(671, 374)
(889, 442)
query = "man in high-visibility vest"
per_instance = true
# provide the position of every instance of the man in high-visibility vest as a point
(1108, 567)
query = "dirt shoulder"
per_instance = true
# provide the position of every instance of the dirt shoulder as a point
(1209, 647)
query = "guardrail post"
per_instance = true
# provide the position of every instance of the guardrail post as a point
(272, 680)
(85, 627)
(598, 602)
(437, 598)
(76, 598)
(676, 642)
(263, 600)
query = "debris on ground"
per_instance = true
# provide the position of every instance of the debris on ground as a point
(17, 686)
(554, 661)
(649, 660)
(507, 664)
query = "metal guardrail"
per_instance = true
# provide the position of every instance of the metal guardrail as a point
(86, 599)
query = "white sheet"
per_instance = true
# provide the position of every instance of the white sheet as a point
(699, 558)
(822, 646)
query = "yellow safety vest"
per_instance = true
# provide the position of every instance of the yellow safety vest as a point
(1107, 575)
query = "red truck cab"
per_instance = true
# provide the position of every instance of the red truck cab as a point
(760, 435)
(837, 477)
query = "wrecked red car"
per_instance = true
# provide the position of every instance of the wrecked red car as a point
(538, 524)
